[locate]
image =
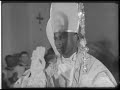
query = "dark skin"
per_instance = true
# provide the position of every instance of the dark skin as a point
(66, 43)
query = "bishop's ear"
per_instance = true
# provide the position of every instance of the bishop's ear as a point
(76, 37)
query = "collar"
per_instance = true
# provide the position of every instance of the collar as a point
(70, 60)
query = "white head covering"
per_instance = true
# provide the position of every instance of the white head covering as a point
(50, 35)
(68, 15)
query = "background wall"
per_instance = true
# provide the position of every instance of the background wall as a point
(102, 24)
(15, 31)
(21, 31)
(38, 31)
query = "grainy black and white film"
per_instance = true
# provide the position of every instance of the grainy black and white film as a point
(59, 45)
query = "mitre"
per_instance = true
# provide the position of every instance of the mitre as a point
(64, 17)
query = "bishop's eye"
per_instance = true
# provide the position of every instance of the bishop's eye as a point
(64, 35)
(57, 36)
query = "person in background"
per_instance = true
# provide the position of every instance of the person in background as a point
(25, 60)
(9, 75)
(24, 64)
(17, 64)
(35, 76)
(20, 68)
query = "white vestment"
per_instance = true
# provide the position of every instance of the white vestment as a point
(70, 72)
(96, 74)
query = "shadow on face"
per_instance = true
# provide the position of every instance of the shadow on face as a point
(64, 42)
(25, 59)
(61, 39)
(10, 61)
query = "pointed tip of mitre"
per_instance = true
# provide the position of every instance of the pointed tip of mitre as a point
(68, 9)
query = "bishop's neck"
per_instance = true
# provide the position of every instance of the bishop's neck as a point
(69, 53)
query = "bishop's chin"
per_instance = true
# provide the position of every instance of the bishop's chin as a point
(59, 50)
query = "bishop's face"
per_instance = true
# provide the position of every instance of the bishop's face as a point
(61, 41)
(60, 36)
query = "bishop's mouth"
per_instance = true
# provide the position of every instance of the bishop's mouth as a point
(59, 49)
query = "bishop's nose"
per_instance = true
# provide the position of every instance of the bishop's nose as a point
(58, 44)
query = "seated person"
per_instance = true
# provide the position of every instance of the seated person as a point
(13, 70)
(19, 69)
(30, 76)
(23, 64)
(25, 60)
(9, 73)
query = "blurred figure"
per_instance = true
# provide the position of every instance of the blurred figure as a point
(25, 60)
(35, 76)
(24, 63)
(10, 76)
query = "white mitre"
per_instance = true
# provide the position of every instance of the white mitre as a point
(63, 17)
(66, 14)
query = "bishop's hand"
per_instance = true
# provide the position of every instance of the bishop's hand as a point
(38, 53)
(38, 58)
